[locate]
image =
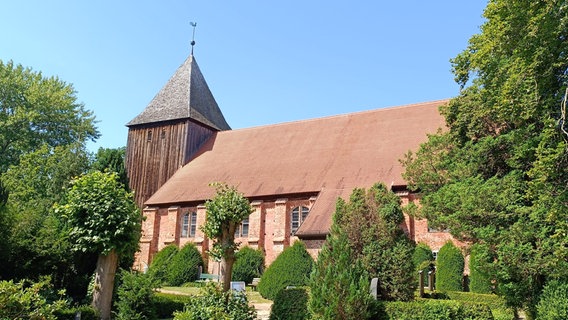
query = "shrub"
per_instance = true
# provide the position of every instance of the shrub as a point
(213, 303)
(158, 269)
(291, 268)
(553, 304)
(27, 300)
(435, 310)
(249, 264)
(184, 265)
(86, 312)
(166, 304)
(479, 277)
(450, 265)
(422, 257)
(290, 304)
(134, 296)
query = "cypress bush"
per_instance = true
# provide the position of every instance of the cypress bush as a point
(449, 271)
(184, 265)
(249, 264)
(135, 296)
(553, 304)
(479, 277)
(422, 257)
(290, 304)
(291, 268)
(158, 269)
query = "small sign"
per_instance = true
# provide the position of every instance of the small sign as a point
(238, 286)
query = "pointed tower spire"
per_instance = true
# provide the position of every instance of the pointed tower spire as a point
(193, 24)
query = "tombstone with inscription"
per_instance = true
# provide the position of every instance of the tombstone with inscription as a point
(373, 289)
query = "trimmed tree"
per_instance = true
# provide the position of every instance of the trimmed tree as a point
(450, 265)
(480, 280)
(102, 218)
(422, 257)
(158, 269)
(249, 264)
(224, 213)
(339, 285)
(183, 265)
(291, 268)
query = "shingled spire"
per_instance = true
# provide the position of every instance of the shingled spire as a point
(185, 95)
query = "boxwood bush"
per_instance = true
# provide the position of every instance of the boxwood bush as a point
(165, 304)
(184, 265)
(135, 294)
(291, 268)
(435, 310)
(290, 304)
(249, 264)
(553, 304)
(158, 269)
(449, 268)
(479, 277)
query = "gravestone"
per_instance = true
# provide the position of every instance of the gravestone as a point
(374, 287)
(238, 286)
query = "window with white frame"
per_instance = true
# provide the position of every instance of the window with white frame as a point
(188, 224)
(297, 217)
(242, 229)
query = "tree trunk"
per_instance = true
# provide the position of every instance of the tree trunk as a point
(227, 267)
(104, 284)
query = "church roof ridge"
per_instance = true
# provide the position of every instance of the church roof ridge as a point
(185, 95)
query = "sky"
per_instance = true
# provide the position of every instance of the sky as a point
(265, 62)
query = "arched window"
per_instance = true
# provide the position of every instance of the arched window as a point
(188, 224)
(298, 215)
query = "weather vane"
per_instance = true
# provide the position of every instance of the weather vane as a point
(193, 24)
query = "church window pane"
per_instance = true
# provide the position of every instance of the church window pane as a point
(185, 225)
(298, 215)
(242, 229)
(193, 224)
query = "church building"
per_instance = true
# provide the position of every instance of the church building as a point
(292, 173)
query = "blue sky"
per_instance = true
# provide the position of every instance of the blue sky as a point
(266, 62)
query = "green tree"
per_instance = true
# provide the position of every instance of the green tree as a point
(371, 222)
(224, 213)
(158, 269)
(102, 218)
(183, 266)
(338, 284)
(249, 264)
(449, 268)
(112, 160)
(480, 268)
(36, 110)
(498, 174)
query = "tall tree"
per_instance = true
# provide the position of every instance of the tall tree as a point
(225, 212)
(112, 159)
(498, 174)
(102, 218)
(36, 110)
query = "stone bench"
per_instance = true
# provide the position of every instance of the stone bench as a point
(254, 283)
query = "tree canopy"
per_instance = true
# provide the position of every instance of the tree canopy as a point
(498, 174)
(37, 110)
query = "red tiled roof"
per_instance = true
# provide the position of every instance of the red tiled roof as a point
(329, 155)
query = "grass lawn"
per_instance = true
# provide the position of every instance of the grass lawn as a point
(252, 296)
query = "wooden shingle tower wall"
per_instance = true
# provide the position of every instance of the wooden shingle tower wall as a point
(164, 137)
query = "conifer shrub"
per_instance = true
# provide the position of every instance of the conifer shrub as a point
(166, 304)
(290, 304)
(291, 268)
(553, 303)
(249, 264)
(158, 269)
(450, 266)
(135, 297)
(184, 265)
(479, 277)
(422, 257)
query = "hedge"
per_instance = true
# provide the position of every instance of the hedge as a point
(290, 304)
(158, 269)
(553, 304)
(249, 264)
(479, 278)
(435, 310)
(166, 304)
(184, 265)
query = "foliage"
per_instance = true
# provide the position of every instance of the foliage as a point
(339, 285)
(184, 265)
(291, 268)
(224, 213)
(28, 300)
(436, 310)
(113, 161)
(214, 303)
(422, 258)
(450, 266)
(37, 110)
(158, 269)
(86, 312)
(166, 304)
(498, 174)
(249, 264)
(371, 221)
(290, 304)
(101, 215)
(135, 294)
(480, 279)
(553, 303)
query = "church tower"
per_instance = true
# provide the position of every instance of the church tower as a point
(164, 137)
